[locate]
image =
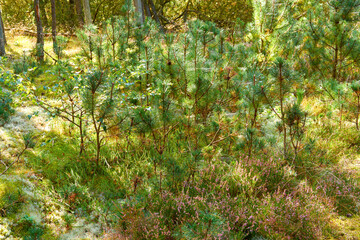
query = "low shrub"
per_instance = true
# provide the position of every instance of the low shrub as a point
(6, 107)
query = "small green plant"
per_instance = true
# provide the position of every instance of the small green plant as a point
(6, 107)
(11, 197)
(59, 45)
(29, 229)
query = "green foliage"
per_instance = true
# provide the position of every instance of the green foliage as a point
(23, 65)
(59, 45)
(205, 133)
(332, 43)
(11, 197)
(29, 229)
(6, 107)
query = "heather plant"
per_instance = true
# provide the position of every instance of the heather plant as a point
(293, 215)
(201, 210)
(341, 189)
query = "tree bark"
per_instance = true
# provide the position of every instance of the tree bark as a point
(139, 8)
(43, 12)
(2, 37)
(53, 24)
(79, 12)
(155, 15)
(40, 34)
(3, 28)
(87, 12)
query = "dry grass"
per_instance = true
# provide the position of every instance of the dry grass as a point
(18, 45)
(348, 228)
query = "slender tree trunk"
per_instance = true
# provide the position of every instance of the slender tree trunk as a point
(43, 12)
(139, 8)
(282, 110)
(3, 28)
(79, 12)
(357, 112)
(156, 15)
(53, 25)
(335, 64)
(40, 34)
(87, 12)
(147, 9)
(2, 37)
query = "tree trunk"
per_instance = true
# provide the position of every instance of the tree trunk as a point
(87, 12)
(40, 34)
(79, 12)
(43, 12)
(139, 8)
(3, 28)
(155, 15)
(2, 37)
(53, 24)
(72, 10)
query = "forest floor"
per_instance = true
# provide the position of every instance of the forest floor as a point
(39, 202)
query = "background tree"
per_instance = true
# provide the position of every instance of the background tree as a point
(53, 23)
(79, 12)
(40, 34)
(87, 12)
(139, 8)
(2, 37)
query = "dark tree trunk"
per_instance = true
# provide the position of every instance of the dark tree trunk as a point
(3, 28)
(53, 24)
(79, 12)
(72, 9)
(43, 12)
(147, 9)
(2, 37)
(155, 14)
(72, 14)
(40, 34)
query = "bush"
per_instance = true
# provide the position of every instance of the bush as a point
(29, 229)
(5, 107)
(295, 215)
(341, 189)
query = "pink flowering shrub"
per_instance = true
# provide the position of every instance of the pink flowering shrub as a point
(342, 190)
(229, 202)
(283, 215)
